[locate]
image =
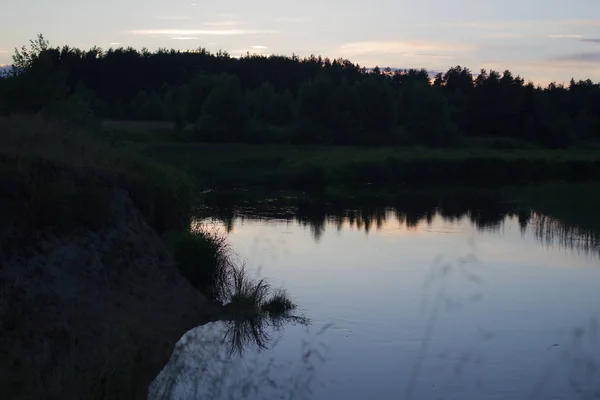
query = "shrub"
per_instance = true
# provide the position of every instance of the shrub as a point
(67, 158)
(204, 259)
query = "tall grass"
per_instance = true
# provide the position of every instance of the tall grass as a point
(205, 258)
(47, 164)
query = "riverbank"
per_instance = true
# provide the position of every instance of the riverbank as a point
(101, 273)
(91, 301)
(306, 167)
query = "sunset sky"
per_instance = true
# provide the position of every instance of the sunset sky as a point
(541, 40)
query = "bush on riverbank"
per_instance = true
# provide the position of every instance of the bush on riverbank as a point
(205, 258)
(60, 172)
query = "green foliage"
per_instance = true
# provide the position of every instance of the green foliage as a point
(165, 194)
(54, 164)
(346, 115)
(313, 100)
(224, 111)
(74, 109)
(424, 113)
(283, 111)
(378, 105)
(248, 298)
(25, 58)
(203, 257)
(316, 167)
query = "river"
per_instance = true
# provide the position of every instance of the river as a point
(406, 302)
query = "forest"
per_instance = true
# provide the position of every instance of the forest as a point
(292, 100)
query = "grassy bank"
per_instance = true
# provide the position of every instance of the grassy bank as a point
(61, 172)
(310, 166)
(205, 258)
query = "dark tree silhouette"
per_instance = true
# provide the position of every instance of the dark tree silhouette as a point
(299, 100)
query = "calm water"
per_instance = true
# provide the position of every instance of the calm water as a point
(407, 305)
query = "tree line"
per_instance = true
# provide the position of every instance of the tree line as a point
(312, 100)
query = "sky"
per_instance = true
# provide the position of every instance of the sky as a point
(542, 40)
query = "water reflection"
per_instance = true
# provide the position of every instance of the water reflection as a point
(257, 333)
(368, 214)
(436, 304)
(206, 361)
(553, 232)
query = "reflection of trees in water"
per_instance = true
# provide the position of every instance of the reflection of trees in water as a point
(485, 213)
(553, 232)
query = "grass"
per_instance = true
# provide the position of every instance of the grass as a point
(316, 166)
(205, 258)
(249, 298)
(141, 131)
(52, 167)
(251, 307)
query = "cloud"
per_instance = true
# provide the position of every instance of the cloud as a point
(406, 48)
(174, 17)
(565, 36)
(426, 55)
(504, 35)
(591, 40)
(242, 52)
(222, 24)
(252, 50)
(544, 71)
(185, 38)
(114, 43)
(195, 32)
(294, 19)
(585, 58)
(584, 22)
(524, 24)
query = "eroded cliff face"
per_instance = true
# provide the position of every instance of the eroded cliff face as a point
(89, 312)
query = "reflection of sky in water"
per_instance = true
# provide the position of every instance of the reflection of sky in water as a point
(508, 306)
